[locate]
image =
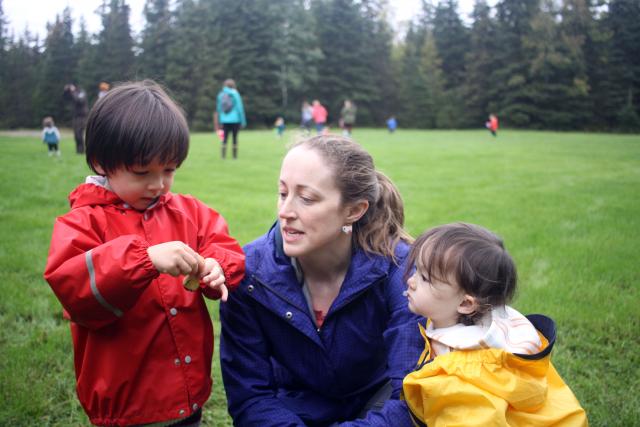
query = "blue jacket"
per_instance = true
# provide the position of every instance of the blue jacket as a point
(279, 370)
(236, 115)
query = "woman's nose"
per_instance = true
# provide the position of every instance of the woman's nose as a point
(284, 208)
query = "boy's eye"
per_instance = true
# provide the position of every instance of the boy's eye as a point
(140, 173)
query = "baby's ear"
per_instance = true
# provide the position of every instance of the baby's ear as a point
(468, 305)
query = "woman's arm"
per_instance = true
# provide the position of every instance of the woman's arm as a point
(404, 345)
(246, 368)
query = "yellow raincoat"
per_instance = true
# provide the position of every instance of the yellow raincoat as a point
(492, 387)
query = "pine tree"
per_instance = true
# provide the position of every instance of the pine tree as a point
(436, 112)
(344, 71)
(480, 63)
(297, 46)
(58, 66)
(414, 105)
(156, 38)
(86, 72)
(20, 68)
(115, 44)
(624, 59)
(510, 91)
(182, 76)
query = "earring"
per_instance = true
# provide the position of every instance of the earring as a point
(347, 229)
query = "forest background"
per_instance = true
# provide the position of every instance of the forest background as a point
(537, 64)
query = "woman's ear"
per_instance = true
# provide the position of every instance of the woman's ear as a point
(468, 305)
(356, 210)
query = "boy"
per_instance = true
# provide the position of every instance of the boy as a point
(143, 343)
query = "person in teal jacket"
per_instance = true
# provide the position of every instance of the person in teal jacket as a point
(230, 115)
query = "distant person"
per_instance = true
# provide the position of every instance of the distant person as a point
(230, 114)
(392, 124)
(103, 88)
(484, 363)
(78, 97)
(51, 136)
(142, 336)
(279, 126)
(492, 124)
(348, 117)
(306, 117)
(319, 114)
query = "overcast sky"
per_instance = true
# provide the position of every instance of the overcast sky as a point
(35, 14)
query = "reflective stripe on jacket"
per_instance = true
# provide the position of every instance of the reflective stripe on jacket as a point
(279, 369)
(142, 343)
(491, 387)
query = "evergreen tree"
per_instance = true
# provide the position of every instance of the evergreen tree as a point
(452, 41)
(300, 55)
(511, 72)
(115, 45)
(414, 106)
(156, 38)
(182, 76)
(20, 69)
(480, 63)
(86, 72)
(624, 62)
(344, 70)
(57, 69)
(435, 113)
(3, 63)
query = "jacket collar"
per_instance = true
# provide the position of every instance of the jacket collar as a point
(278, 274)
(96, 192)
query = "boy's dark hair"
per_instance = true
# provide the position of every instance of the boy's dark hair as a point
(133, 124)
(471, 257)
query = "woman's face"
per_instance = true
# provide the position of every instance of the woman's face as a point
(310, 206)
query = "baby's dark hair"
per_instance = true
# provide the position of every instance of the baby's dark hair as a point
(134, 124)
(471, 257)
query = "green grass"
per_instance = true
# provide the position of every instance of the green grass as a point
(567, 205)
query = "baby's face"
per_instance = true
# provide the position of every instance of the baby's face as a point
(141, 186)
(434, 299)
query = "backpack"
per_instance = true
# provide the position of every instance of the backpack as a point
(226, 102)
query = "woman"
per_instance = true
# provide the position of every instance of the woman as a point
(319, 331)
(230, 114)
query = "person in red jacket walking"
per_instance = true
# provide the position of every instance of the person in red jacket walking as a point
(142, 341)
(492, 124)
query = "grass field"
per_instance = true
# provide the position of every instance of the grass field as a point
(567, 205)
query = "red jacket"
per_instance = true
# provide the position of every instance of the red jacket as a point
(142, 343)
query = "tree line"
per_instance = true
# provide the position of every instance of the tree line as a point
(537, 64)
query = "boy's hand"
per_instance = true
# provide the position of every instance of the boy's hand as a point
(213, 276)
(174, 258)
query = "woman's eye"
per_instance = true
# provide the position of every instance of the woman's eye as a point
(306, 200)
